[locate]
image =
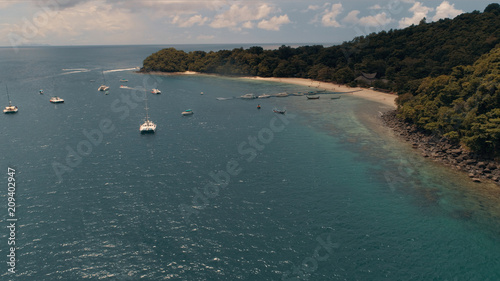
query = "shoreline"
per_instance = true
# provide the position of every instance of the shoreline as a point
(387, 99)
(384, 98)
(439, 149)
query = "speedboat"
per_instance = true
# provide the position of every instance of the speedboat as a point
(280, 111)
(187, 112)
(264, 96)
(56, 100)
(248, 96)
(155, 91)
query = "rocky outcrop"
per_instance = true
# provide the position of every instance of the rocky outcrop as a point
(441, 149)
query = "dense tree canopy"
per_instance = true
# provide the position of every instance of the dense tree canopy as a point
(463, 106)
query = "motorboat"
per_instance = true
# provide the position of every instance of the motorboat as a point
(280, 111)
(248, 96)
(264, 96)
(281, 95)
(56, 100)
(187, 112)
(155, 91)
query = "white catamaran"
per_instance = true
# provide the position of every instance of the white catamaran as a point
(103, 87)
(148, 126)
(11, 108)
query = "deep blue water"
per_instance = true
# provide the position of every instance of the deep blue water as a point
(322, 193)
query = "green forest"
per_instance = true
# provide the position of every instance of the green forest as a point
(446, 72)
(463, 106)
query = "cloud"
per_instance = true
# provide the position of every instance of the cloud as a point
(352, 17)
(89, 20)
(205, 37)
(419, 12)
(238, 14)
(154, 8)
(5, 4)
(375, 20)
(330, 15)
(274, 23)
(446, 10)
(196, 19)
(313, 8)
(248, 25)
(246, 16)
(375, 7)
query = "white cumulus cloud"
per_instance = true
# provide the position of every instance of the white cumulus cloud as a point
(329, 17)
(248, 16)
(374, 20)
(446, 10)
(313, 8)
(274, 23)
(80, 23)
(419, 12)
(196, 19)
(240, 14)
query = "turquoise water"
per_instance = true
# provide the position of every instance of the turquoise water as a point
(322, 193)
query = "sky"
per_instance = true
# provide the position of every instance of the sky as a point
(143, 22)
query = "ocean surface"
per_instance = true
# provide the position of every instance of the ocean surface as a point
(324, 192)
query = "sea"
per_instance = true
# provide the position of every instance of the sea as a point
(232, 192)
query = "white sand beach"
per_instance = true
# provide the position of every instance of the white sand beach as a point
(387, 99)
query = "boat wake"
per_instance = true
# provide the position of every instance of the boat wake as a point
(122, 69)
(74, 70)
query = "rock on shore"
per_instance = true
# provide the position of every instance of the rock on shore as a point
(442, 150)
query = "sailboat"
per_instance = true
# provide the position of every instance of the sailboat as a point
(10, 108)
(148, 126)
(103, 87)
